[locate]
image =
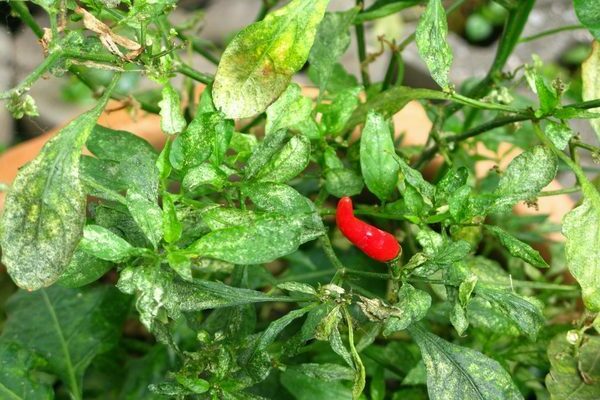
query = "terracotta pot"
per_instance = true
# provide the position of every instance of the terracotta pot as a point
(411, 122)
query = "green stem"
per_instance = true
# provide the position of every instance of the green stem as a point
(362, 50)
(485, 127)
(195, 75)
(34, 76)
(557, 192)
(265, 6)
(586, 186)
(96, 57)
(457, 97)
(551, 32)
(359, 368)
(198, 47)
(20, 8)
(512, 284)
(330, 253)
(584, 105)
(583, 145)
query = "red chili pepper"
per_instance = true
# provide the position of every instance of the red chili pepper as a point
(377, 244)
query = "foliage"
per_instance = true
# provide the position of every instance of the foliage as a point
(211, 268)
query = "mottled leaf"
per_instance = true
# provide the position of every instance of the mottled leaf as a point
(204, 175)
(332, 40)
(292, 111)
(44, 211)
(286, 164)
(114, 145)
(590, 68)
(526, 176)
(413, 304)
(259, 62)
(171, 116)
(574, 373)
(525, 313)
(456, 373)
(518, 248)
(265, 240)
(278, 197)
(207, 136)
(147, 215)
(559, 134)
(104, 244)
(83, 269)
(581, 227)
(588, 12)
(431, 41)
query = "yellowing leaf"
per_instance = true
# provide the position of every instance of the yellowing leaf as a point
(590, 76)
(258, 64)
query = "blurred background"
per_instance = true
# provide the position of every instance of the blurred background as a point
(474, 32)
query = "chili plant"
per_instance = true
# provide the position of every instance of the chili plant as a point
(213, 268)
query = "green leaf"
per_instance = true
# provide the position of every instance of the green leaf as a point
(140, 173)
(518, 248)
(547, 96)
(413, 304)
(267, 149)
(44, 211)
(147, 214)
(335, 115)
(17, 376)
(207, 136)
(590, 72)
(171, 225)
(588, 13)
(105, 245)
(455, 372)
(574, 373)
(292, 159)
(110, 144)
(378, 157)
(267, 239)
(217, 217)
(431, 42)
(416, 180)
(331, 42)
(161, 295)
(292, 111)
(310, 387)
(526, 176)
(452, 181)
(83, 269)
(339, 80)
(525, 313)
(171, 116)
(298, 287)
(278, 197)
(68, 327)
(259, 62)
(268, 336)
(341, 182)
(581, 227)
(559, 134)
(390, 102)
(203, 175)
